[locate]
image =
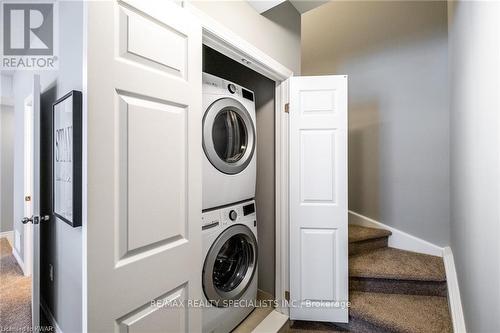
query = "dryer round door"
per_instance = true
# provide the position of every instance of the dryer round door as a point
(230, 265)
(228, 136)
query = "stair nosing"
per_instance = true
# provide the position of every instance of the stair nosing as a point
(393, 277)
(387, 234)
(368, 239)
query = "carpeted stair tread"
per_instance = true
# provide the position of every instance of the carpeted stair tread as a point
(358, 233)
(402, 313)
(390, 263)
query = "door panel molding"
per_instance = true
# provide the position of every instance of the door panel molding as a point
(318, 198)
(143, 165)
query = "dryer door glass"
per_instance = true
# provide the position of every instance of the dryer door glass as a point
(230, 265)
(228, 136)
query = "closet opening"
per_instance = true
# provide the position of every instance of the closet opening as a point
(239, 192)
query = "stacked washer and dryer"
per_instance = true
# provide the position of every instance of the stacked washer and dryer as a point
(229, 223)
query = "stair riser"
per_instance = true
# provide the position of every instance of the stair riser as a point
(357, 325)
(368, 245)
(388, 286)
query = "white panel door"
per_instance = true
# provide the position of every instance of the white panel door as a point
(144, 154)
(318, 198)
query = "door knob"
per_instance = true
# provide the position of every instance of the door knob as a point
(26, 220)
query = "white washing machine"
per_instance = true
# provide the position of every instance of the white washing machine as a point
(229, 275)
(229, 142)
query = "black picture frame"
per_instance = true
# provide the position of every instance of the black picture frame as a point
(67, 158)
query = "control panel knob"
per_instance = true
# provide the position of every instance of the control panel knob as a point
(233, 215)
(232, 88)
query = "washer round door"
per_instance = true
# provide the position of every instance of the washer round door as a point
(228, 136)
(230, 265)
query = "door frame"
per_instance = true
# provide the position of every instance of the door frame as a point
(27, 178)
(223, 40)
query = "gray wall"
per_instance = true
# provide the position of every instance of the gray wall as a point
(395, 54)
(6, 167)
(219, 65)
(61, 245)
(276, 32)
(475, 165)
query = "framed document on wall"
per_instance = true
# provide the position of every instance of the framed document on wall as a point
(67, 158)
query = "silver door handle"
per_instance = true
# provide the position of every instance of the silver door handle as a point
(35, 219)
(26, 220)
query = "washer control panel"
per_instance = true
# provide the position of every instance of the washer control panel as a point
(225, 216)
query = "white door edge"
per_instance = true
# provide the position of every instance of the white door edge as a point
(28, 185)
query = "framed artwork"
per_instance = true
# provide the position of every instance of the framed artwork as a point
(67, 158)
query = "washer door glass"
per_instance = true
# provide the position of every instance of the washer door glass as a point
(230, 265)
(228, 136)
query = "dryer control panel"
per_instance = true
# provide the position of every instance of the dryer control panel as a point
(215, 85)
(225, 216)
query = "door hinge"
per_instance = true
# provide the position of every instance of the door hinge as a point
(287, 108)
(27, 198)
(287, 295)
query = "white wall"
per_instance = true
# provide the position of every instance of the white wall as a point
(64, 243)
(475, 167)
(395, 54)
(276, 32)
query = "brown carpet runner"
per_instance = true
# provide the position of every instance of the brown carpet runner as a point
(15, 293)
(391, 290)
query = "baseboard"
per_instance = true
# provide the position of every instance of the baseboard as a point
(454, 300)
(50, 316)
(272, 323)
(20, 261)
(399, 239)
(10, 237)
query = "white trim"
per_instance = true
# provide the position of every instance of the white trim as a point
(6, 101)
(399, 239)
(454, 301)
(20, 261)
(50, 316)
(272, 323)
(84, 167)
(28, 185)
(10, 237)
(281, 249)
(230, 44)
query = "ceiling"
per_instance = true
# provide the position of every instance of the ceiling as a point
(302, 6)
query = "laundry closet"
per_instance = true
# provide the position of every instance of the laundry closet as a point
(239, 181)
(150, 214)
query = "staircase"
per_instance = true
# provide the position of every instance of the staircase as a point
(391, 290)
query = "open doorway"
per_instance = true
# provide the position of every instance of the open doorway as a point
(15, 291)
(17, 270)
